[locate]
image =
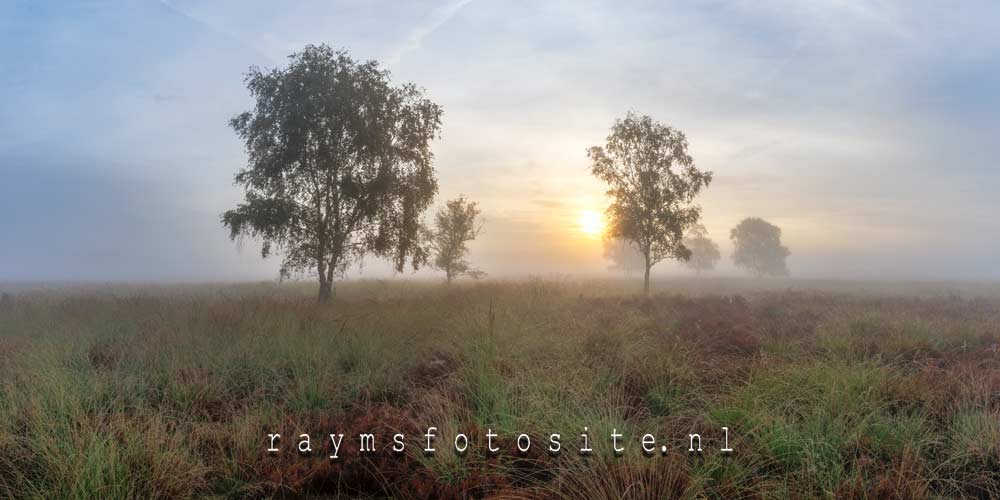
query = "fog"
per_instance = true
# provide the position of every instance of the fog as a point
(865, 131)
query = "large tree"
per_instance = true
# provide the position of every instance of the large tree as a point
(340, 164)
(455, 224)
(704, 251)
(652, 181)
(758, 249)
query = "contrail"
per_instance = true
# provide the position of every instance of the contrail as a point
(217, 30)
(438, 18)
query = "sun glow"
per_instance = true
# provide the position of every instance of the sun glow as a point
(591, 223)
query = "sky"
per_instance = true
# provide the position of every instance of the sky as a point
(866, 130)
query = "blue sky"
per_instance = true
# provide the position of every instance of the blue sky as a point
(867, 130)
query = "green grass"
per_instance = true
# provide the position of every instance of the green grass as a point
(169, 392)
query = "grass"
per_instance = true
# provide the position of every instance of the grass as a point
(170, 392)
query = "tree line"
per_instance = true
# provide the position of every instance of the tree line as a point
(756, 242)
(340, 166)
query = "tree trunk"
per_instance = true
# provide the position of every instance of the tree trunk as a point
(645, 281)
(325, 289)
(326, 275)
(324, 284)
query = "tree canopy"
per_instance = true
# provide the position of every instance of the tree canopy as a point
(758, 249)
(339, 164)
(652, 181)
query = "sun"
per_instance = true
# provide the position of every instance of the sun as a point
(591, 223)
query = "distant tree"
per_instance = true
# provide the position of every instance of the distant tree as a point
(652, 181)
(704, 251)
(454, 226)
(339, 167)
(758, 248)
(623, 254)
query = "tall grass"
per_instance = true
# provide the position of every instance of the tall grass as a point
(170, 393)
